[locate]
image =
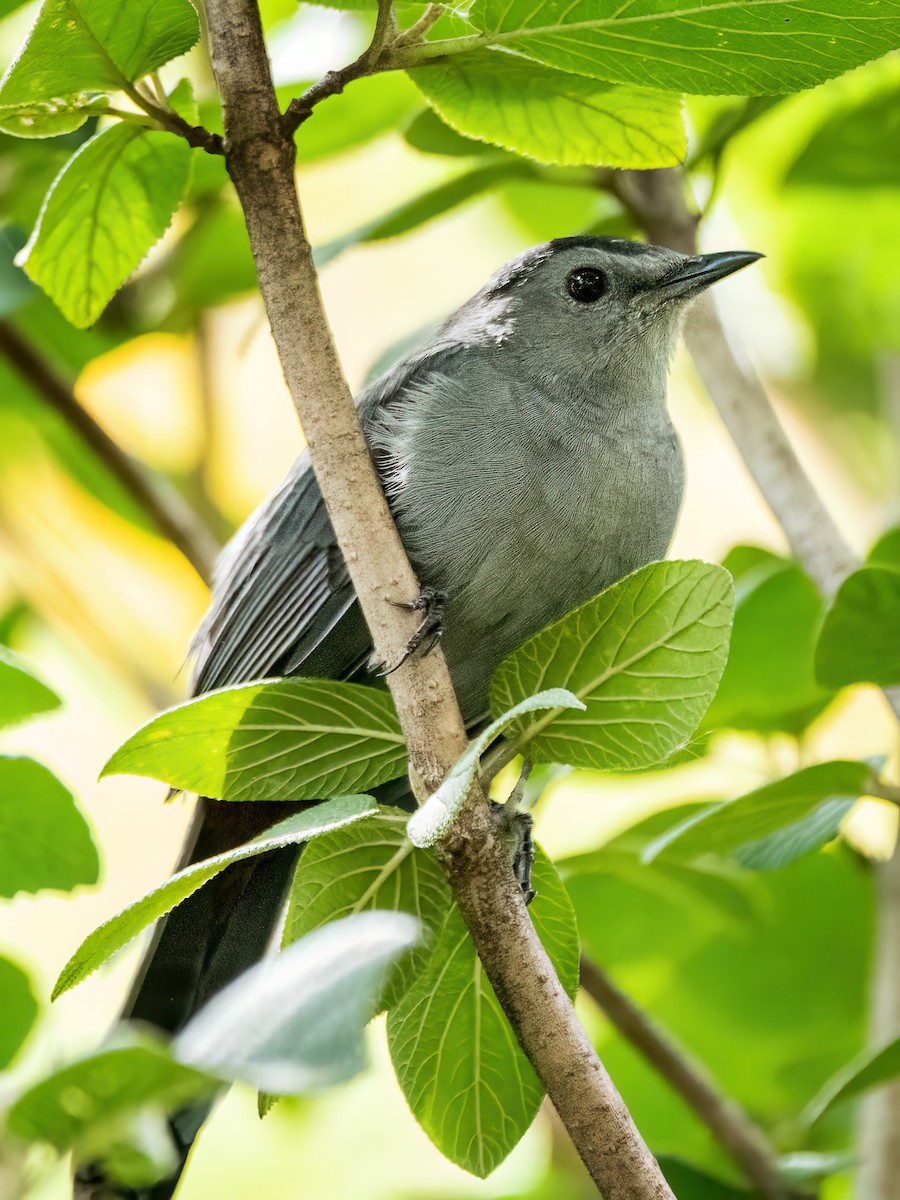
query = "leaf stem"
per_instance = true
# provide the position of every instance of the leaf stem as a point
(195, 135)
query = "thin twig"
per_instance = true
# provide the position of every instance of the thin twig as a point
(656, 199)
(417, 31)
(260, 160)
(165, 508)
(727, 1122)
(332, 84)
(196, 136)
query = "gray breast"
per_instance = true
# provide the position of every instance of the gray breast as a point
(520, 522)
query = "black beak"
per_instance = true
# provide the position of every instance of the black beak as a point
(697, 273)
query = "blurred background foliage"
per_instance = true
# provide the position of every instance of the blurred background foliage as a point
(763, 976)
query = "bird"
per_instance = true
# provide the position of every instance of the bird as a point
(529, 460)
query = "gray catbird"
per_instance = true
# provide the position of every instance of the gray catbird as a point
(529, 460)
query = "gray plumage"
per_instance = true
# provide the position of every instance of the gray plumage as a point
(529, 460)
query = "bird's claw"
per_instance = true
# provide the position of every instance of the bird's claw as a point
(516, 827)
(430, 602)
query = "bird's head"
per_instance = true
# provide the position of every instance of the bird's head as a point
(601, 309)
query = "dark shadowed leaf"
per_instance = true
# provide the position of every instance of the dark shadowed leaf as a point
(464, 1076)
(645, 657)
(22, 695)
(860, 638)
(370, 864)
(295, 1023)
(292, 739)
(44, 840)
(743, 47)
(115, 933)
(553, 116)
(849, 149)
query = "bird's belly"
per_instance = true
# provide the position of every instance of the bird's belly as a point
(542, 560)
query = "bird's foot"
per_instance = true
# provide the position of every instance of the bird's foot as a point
(430, 602)
(516, 829)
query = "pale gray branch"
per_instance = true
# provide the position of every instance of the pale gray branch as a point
(260, 161)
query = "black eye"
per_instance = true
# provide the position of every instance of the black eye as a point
(586, 284)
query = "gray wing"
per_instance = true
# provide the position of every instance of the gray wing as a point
(282, 600)
(280, 589)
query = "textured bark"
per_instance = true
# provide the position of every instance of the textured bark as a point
(260, 160)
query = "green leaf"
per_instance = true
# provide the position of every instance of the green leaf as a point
(19, 1007)
(866, 1071)
(728, 47)
(115, 933)
(44, 840)
(94, 45)
(295, 1024)
(47, 119)
(293, 739)
(849, 149)
(429, 823)
(102, 1087)
(753, 818)
(769, 681)
(886, 551)
(113, 200)
(425, 207)
(819, 827)
(22, 695)
(429, 134)
(859, 641)
(367, 865)
(465, 1078)
(553, 116)
(645, 657)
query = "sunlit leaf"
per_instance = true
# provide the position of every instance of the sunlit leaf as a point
(291, 739)
(92, 45)
(115, 933)
(553, 116)
(19, 1007)
(645, 657)
(44, 840)
(111, 203)
(367, 865)
(22, 694)
(295, 1023)
(860, 638)
(739, 47)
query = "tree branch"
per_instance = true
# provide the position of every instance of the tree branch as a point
(727, 1122)
(260, 161)
(656, 199)
(165, 508)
